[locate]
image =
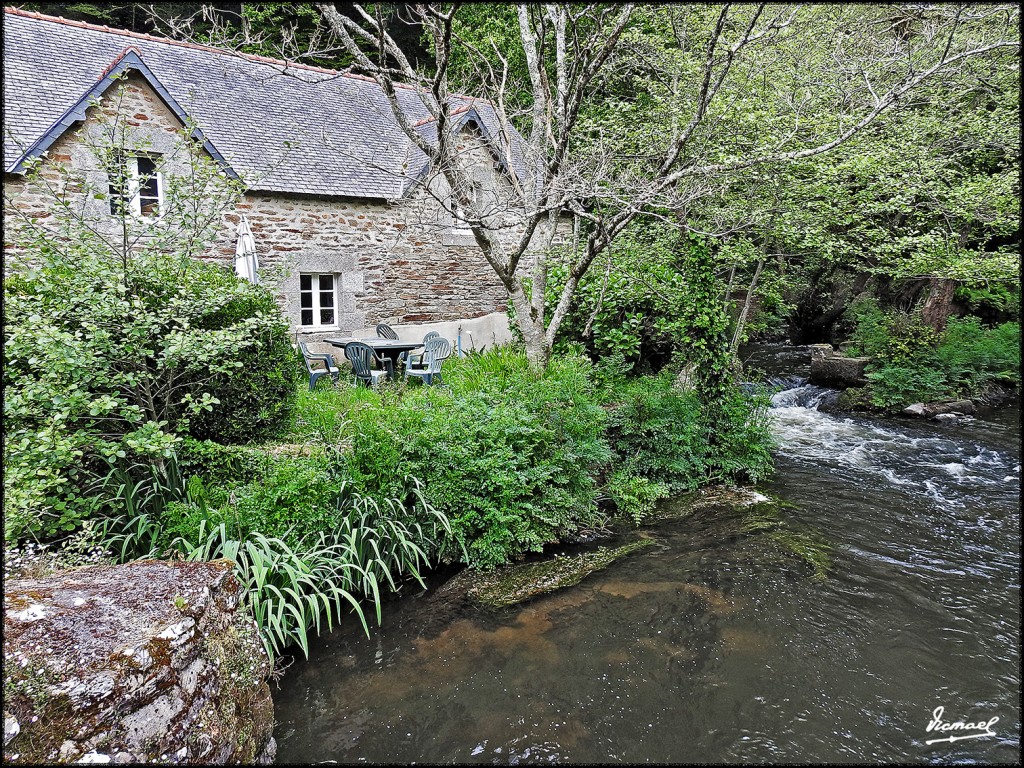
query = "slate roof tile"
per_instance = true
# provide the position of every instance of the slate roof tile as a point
(312, 132)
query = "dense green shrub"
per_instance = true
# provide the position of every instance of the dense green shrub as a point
(970, 355)
(515, 460)
(668, 438)
(656, 432)
(255, 400)
(509, 457)
(893, 386)
(891, 337)
(911, 363)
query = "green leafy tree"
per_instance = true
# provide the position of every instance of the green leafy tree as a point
(691, 99)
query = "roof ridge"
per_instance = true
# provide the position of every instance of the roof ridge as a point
(457, 111)
(201, 47)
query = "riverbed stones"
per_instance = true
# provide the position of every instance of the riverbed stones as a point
(954, 408)
(149, 661)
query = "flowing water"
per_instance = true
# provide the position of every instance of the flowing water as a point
(719, 644)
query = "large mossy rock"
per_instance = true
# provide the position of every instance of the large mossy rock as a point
(513, 584)
(146, 662)
(831, 370)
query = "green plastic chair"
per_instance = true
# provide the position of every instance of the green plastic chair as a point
(362, 358)
(435, 352)
(415, 359)
(385, 331)
(312, 359)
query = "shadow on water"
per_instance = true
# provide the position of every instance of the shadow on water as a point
(719, 644)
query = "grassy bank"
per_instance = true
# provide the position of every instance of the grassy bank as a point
(369, 487)
(912, 363)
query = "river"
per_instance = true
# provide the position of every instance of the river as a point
(719, 644)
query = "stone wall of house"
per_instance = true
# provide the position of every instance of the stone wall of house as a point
(148, 662)
(403, 262)
(150, 127)
(391, 263)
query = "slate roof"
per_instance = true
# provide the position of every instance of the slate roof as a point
(317, 132)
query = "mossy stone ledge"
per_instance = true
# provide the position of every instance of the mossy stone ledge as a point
(148, 662)
(513, 584)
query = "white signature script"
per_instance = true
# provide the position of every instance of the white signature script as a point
(938, 725)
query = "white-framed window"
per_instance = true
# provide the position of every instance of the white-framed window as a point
(476, 194)
(136, 184)
(318, 300)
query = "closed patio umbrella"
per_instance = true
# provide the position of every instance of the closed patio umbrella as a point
(246, 262)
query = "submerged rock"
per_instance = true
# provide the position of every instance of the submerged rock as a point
(515, 583)
(149, 661)
(703, 498)
(956, 408)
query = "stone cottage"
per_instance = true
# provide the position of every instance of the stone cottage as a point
(344, 208)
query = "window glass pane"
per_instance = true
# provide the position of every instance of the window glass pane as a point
(326, 282)
(327, 316)
(326, 298)
(307, 317)
(148, 185)
(146, 165)
(148, 188)
(306, 282)
(306, 300)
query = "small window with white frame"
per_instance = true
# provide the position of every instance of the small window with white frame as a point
(318, 300)
(136, 185)
(459, 214)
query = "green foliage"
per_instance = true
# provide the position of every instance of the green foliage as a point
(116, 337)
(511, 457)
(657, 433)
(970, 355)
(669, 437)
(508, 456)
(1001, 297)
(255, 399)
(305, 545)
(894, 387)
(658, 301)
(892, 337)
(634, 496)
(911, 363)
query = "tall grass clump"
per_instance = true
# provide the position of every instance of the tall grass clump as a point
(306, 547)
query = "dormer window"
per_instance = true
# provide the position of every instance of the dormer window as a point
(136, 185)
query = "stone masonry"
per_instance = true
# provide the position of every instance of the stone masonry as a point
(403, 262)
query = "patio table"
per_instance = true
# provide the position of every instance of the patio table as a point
(389, 348)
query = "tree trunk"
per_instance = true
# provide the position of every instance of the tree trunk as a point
(741, 321)
(531, 325)
(939, 304)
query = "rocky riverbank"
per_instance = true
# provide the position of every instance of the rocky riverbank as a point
(149, 662)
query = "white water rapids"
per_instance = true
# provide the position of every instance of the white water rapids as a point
(942, 462)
